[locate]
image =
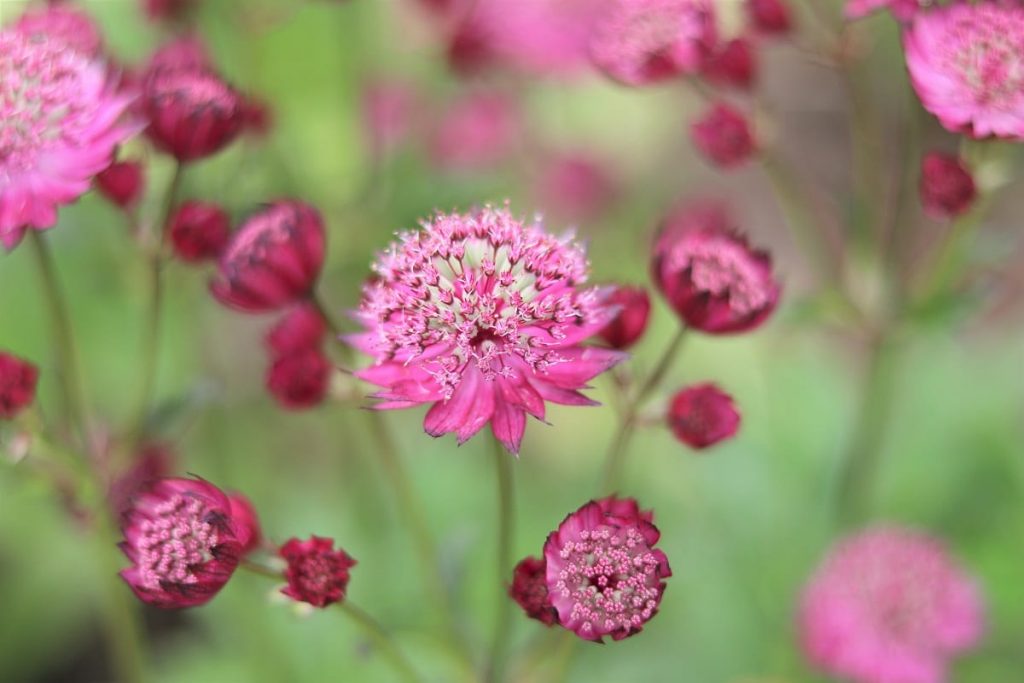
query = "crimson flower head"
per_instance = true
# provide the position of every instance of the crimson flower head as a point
(702, 415)
(482, 316)
(187, 52)
(530, 590)
(889, 604)
(316, 572)
(122, 183)
(604, 575)
(770, 16)
(300, 380)
(733, 63)
(723, 136)
(302, 328)
(708, 273)
(947, 186)
(199, 231)
(184, 543)
(273, 260)
(630, 322)
(18, 380)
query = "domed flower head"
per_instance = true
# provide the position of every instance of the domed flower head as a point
(18, 380)
(722, 135)
(604, 576)
(64, 24)
(637, 42)
(947, 186)
(889, 605)
(482, 316)
(966, 62)
(709, 274)
(530, 590)
(316, 572)
(630, 321)
(60, 121)
(184, 543)
(273, 260)
(199, 231)
(702, 415)
(122, 183)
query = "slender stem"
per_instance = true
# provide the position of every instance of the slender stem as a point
(384, 641)
(506, 530)
(953, 253)
(122, 623)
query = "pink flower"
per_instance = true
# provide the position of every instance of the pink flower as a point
(947, 187)
(630, 322)
(530, 590)
(732, 63)
(273, 260)
(709, 274)
(122, 183)
(482, 316)
(18, 379)
(303, 328)
(966, 62)
(637, 42)
(903, 10)
(63, 24)
(183, 542)
(300, 379)
(702, 415)
(604, 576)
(478, 131)
(723, 136)
(316, 573)
(60, 122)
(575, 187)
(770, 16)
(199, 231)
(889, 605)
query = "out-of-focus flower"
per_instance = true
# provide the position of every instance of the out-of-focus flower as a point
(273, 260)
(723, 137)
(732, 63)
(947, 187)
(168, 10)
(388, 109)
(152, 462)
(630, 321)
(478, 131)
(183, 543)
(770, 16)
(529, 589)
(199, 231)
(244, 515)
(60, 122)
(966, 62)
(702, 415)
(316, 572)
(300, 380)
(257, 116)
(63, 24)
(903, 10)
(637, 42)
(575, 187)
(18, 379)
(187, 53)
(302, 328)
(604, 575)
(482, 316)
(889, 604)
(122, 183)
(709, 274)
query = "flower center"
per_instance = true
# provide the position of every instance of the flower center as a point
(319, 573)
(723, 270)
(262, 236)
(193, 90)
(181, 536)
(987, 54)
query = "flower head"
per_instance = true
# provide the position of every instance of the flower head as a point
(723, 136)
(709, 274)
(316, 573)
(388, 112)
(702, 415)
(64, 24)
(300, 379)
(630, 321)
(604, 576)
(477, 131)
(889, 605)
(302, 328)
(966, 62)
(122, 183)
(482, 316)
(733, 63)
(529, 589)
(273, 260)
(60, 121)
(183, 541)
(199, 231)
(770, 16)
(947, 186)
(18, 380)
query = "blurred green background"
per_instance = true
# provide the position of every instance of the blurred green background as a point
(743, 524)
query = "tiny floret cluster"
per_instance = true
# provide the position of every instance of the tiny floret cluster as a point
(317, 573)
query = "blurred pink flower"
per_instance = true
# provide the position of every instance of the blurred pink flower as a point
(770, 16)
(604, 576)
(722, 135)
(302, 328)
(903, 10)
(389, 109)
(186, 52)
(966, 63)
(529, 589)
(168, 10)
(702, 415)
(482, 316)
(299, 380)
(316, 573)
(575, 187)
(64, 24)
(947, 186)
(477, 131)
(732, 63)
(199, 231)
(151, 462)
(122, 183)
(630, 322)
(889, 605)
(18, 379)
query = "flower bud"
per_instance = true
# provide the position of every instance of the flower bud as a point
(18, 379)
(770, 16)
(303, 328)
(299, 380)
(529, 589)
(199, 231)
(317, 573)
(122, 183)
(723, 136)
(733, 64)
(630, 322)
(702, 415)
(947, 187)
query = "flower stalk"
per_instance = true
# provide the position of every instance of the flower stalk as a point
(506, 530)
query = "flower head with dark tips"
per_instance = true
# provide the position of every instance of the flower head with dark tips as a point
(18, 379)
(529, 589)
(947, 187)
(199, 231)
(604, 576)
(482, 316)
(723, 136)
(316, 573)
(702, 415)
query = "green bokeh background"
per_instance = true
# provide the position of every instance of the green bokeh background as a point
(743, 524)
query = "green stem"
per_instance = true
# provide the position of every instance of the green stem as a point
(124, 632)
(383, 640)
(506, 530)
(954, 252)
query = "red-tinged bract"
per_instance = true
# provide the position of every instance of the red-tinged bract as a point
(947, 186)
(199, 231)
(482, 316)
(316, 573)
(708, 273)
(300, 380)
(273, 260)
(18, 379)
(529, 589)
(604, 575)
(723, 137)
(703, 415)
(122, 183)
(183, 542)
(770, 16)
(733, 64)
(302, 328)
(630, 322)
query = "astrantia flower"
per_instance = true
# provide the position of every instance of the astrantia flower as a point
(18, 380)
(770, 16)
(199, 231)
(316, 572)
(723, 137)
(482, 316)
(529, 589)
(904, 10)
(300, 379)
(604, 576)
(702, 415)
(60, 121)
(122, 183)
(64, 24)
(643, 41)
(966, 62)
(947, 186)
(183, 541)
(630, 321)
(273, 260)
(889, 605)
(303, 328)
(709, 274)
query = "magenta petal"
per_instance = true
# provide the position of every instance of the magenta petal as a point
(508, 425)
(580, 365)
(449, 416)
